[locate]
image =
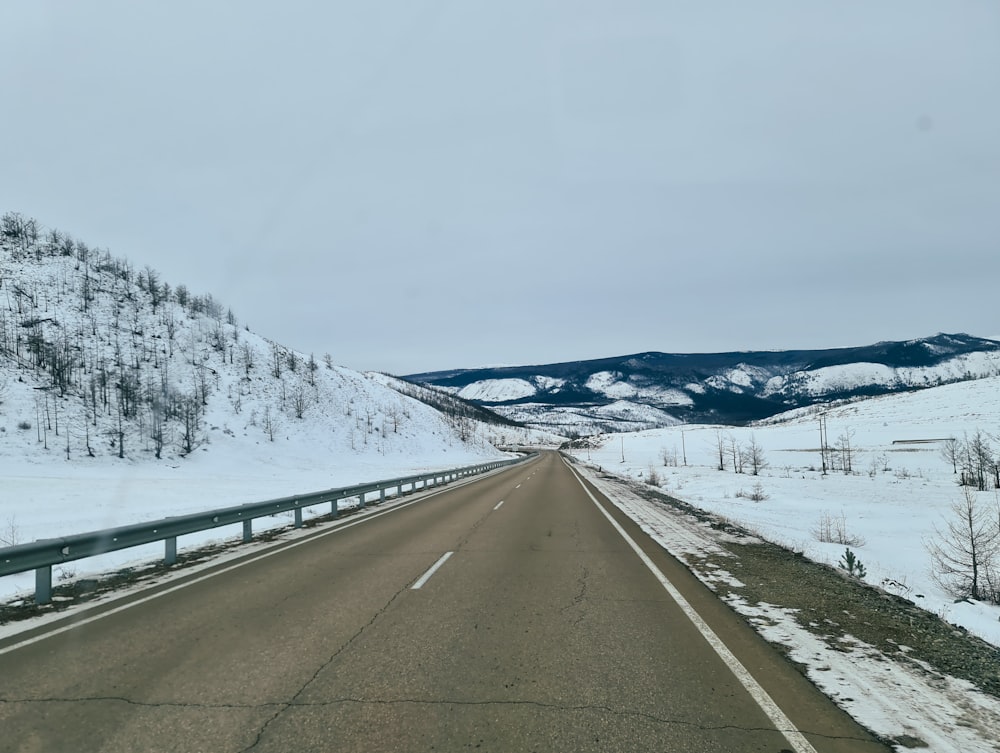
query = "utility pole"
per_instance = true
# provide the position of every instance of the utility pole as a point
(822, 440)
(684, 451)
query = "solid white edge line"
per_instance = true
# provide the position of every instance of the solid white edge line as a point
(269, 553)
(497, 505)
(781, 722)
(433, 569)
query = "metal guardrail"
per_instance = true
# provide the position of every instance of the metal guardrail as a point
(41, 555)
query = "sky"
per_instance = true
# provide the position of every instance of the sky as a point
(418, 185)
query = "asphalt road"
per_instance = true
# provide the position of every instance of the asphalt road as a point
(543, 630)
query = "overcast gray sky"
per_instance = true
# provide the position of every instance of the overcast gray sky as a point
(416, 185)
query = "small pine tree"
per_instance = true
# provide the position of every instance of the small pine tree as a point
(850, 563)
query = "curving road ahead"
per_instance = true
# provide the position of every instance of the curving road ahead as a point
(507, 614)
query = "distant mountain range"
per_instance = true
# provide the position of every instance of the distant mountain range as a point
(647, 390)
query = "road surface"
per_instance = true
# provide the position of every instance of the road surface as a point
(506, 614)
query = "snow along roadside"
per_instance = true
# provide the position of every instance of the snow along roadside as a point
(905, 704)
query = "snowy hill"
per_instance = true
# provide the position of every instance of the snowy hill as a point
(648, 390)
(103, 363)
(891, 502)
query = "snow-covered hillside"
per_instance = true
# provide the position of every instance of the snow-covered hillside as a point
(100, 359)
(125, 398)
(891, 506)
(858, 376)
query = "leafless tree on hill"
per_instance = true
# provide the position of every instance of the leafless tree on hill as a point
(964, 554)
(951, 451)
(720, 447)
(736, 453)
(754, 455)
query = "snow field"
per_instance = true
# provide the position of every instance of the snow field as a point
(895, 501)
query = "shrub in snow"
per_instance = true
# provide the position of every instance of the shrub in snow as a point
(653, 478)
(833, 530)
(756, 494)
(10, 533)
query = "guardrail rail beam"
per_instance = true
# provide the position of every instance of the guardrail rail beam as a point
(41, 555)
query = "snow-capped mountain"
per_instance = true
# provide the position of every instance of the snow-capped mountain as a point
(103, 362)
(648, 390)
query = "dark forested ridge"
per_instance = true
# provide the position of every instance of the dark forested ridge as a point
(729, 388)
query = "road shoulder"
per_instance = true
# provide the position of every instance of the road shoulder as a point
(911, 678)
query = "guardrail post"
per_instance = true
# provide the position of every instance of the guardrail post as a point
(43, 584)
(170, 551)
(361, 501)
(248, 530)
(298, 517)
(334, 509)
(381, 495)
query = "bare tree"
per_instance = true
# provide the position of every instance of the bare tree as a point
(10, 532)
(668, 456)
(312, 369)
(846, 451)
(268, 422)
(300, 401)
(153, 287)
(120, 411)
(394, 415)
(736, 453)
(964, 552)
(171, 324)
(720, 446)
(824, 447)
(217, 339)
(189, 408)
(276, 361)
(247, 354)
(754, 455)
(980, 453)
(201, 371)
(951, 451)
(157, 425)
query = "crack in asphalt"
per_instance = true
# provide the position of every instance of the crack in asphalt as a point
(293, 703)
(579, 598)
(284, 706)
